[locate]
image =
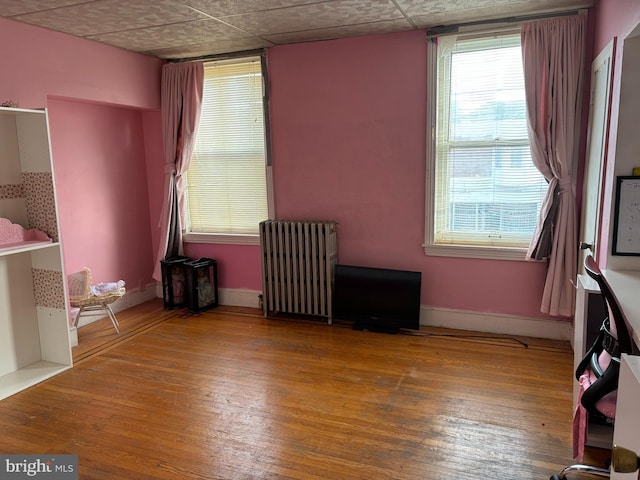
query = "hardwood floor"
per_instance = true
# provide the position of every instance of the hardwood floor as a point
(100, 335)
(230, 395)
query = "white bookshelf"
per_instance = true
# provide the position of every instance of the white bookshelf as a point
(34, 332)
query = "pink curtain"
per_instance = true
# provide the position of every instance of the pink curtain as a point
(181, 105)
(553, 61)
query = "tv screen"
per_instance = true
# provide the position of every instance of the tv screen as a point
(377, 299)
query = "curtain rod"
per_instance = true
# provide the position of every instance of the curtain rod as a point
(220, 56)
(447, 29)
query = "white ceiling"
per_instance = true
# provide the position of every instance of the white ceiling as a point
(192, 28)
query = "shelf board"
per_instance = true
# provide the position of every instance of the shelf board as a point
(25, 247)
(18, 111)
(28, 376)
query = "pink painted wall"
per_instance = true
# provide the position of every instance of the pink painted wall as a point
(615, 18)
(154, 148)
(348, 132)
(239, 266)
(37, 63)
(102, 194)
(103, 107)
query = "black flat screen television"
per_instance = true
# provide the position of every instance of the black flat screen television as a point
(377, 299)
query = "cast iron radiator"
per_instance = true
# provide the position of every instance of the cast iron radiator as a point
(298, 260)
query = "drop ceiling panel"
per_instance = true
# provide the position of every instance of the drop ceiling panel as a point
(192, 28)
(317, 15)
(217, 8)
(212, 48)
(173, 35)
(386, 26)
(105, 16)
(8, 8)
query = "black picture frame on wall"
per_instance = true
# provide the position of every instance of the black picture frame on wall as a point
(626, 221)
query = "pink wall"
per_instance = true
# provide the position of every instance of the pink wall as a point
(37, 63)
(348, 132)
(614, 19)
(102, 194)
(101, 142)
(154, 148)
(238, 265)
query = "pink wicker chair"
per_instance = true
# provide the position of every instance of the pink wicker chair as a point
(88, 298)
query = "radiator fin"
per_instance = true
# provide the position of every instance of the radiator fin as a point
(298, 261)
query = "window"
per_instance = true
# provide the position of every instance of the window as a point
(227, 193)
(484, 194)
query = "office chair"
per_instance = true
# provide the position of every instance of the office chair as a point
(90, 298)
(598, 372)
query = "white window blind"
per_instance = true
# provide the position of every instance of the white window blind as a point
(226, 180)
(487, 191)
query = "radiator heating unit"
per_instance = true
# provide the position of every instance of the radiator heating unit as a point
(298, 263)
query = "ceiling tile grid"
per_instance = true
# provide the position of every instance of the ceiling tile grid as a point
(172, 35)
(174, 29)
(316, 15)
(211, 48)
(330, 33)
(104, 16)
(220, 8)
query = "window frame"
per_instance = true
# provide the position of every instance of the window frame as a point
(431, 248)
(234, 238)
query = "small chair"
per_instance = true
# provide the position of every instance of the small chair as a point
(598, 372)
(89, 298)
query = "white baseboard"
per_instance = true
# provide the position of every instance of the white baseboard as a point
(496, 323)
(455, 319)
(429, 316)
(73, 336)
(132, 298)
(236, 297)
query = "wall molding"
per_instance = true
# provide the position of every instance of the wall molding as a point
(73, 336)
(496, 323)
(429, 316)
(239, 297)
(235, 297)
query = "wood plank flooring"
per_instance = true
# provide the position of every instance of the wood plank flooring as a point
(228, 394)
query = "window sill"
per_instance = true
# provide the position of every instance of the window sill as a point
(461, 251)
(221, 238)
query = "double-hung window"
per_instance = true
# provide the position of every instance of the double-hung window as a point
(483, 192)
(227, 179)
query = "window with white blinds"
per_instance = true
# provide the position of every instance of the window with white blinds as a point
(486, 191)
(226, 180)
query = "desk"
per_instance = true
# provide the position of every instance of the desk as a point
(590, 312)
(626, 287)
(626, 431)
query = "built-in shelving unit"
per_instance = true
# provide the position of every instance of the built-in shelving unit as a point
(34, 334)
